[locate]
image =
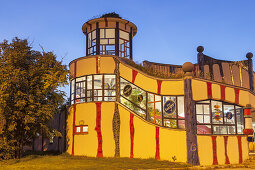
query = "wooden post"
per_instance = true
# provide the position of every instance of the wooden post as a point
(117, 39)
(250, 70)
(97, 39)
(131, 44)
(190, 115)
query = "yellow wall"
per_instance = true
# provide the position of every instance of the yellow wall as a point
(86, 144)
(125, 142)
(107, 65)
(199, 90)
(107, 111)
(175, 87)
(172, 143)
(146, 83)
(205, 149)
(125, 72)
(86, 66)
(216, 92)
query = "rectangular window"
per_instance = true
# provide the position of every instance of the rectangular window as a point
(216, 117)
(154, 108)
(173, 111)
(133, 97)
(81, 129)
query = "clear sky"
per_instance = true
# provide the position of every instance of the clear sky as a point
(169, 31)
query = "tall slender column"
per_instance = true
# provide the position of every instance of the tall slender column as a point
(117, 39)
(131, 44)
(248, 130)
(250, 70)
(189, 108)
(97, 39)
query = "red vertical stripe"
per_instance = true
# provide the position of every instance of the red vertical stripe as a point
(132, 132)
(240, 149)
(236, 96)
(226, 150)
(222, 92)
(98, 129)
(157, 155)
(159, 82)
(215, 160)
(97, 70)
(74, 111)
(134, 74)
(209, 90)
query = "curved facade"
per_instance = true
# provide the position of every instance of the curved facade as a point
(119, 109)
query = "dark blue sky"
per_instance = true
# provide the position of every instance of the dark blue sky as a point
(168, 30)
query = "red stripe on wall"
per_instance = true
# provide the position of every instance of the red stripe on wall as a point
(132, 132)
(240, 149)
(209, 90)
(222, 92)
(134, 74)
(98, 129)
(236, 96)
(157, 155)
(159, 82)
(226, 151)
(74, 111)
(97, 70)
(215, 160)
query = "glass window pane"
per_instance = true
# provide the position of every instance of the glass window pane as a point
(93, 34)
(217, 116)
(207, 119)
(78, 129)
(170, 123)
(98, 93)
(181, 124)
(151, 112)
(124, 35)
(219, 129)
(239, 119)
(133, 107)
(109, 93)
(111, 41)
(180, 103)
(102, 35)
(80, 79)
(158, 113)
(203, 129)
(231, 129)
(89, 82)
(98, 81)
(200, 119)
(109, 81)
(229, 114)
(85, 129)
(199, 109)
(109, 98)
(110, 33)
(169, 106)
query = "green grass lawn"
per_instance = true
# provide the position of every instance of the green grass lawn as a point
(65, 161)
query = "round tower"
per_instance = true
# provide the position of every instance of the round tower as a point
(109, 36)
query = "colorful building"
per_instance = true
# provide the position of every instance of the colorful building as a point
(196, 113)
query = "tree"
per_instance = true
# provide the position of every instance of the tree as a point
(29, 95)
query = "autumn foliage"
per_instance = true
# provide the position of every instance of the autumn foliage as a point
(29, 95)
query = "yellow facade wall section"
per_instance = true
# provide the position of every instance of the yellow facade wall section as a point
(220, 150)
(69, 130)
(125, 72)
(144, 139)
(146, 83)
(172, 87)
(86, 144)
(244, 98)
(216, 92)
(230, 95)
(107, 65)
(252, 100)
(125, 140)
(108, 145)
(71, 69)
(205, 149)
(245, 148)
(86, 66)
(232, 149)
(199, 90)
(172, 143)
